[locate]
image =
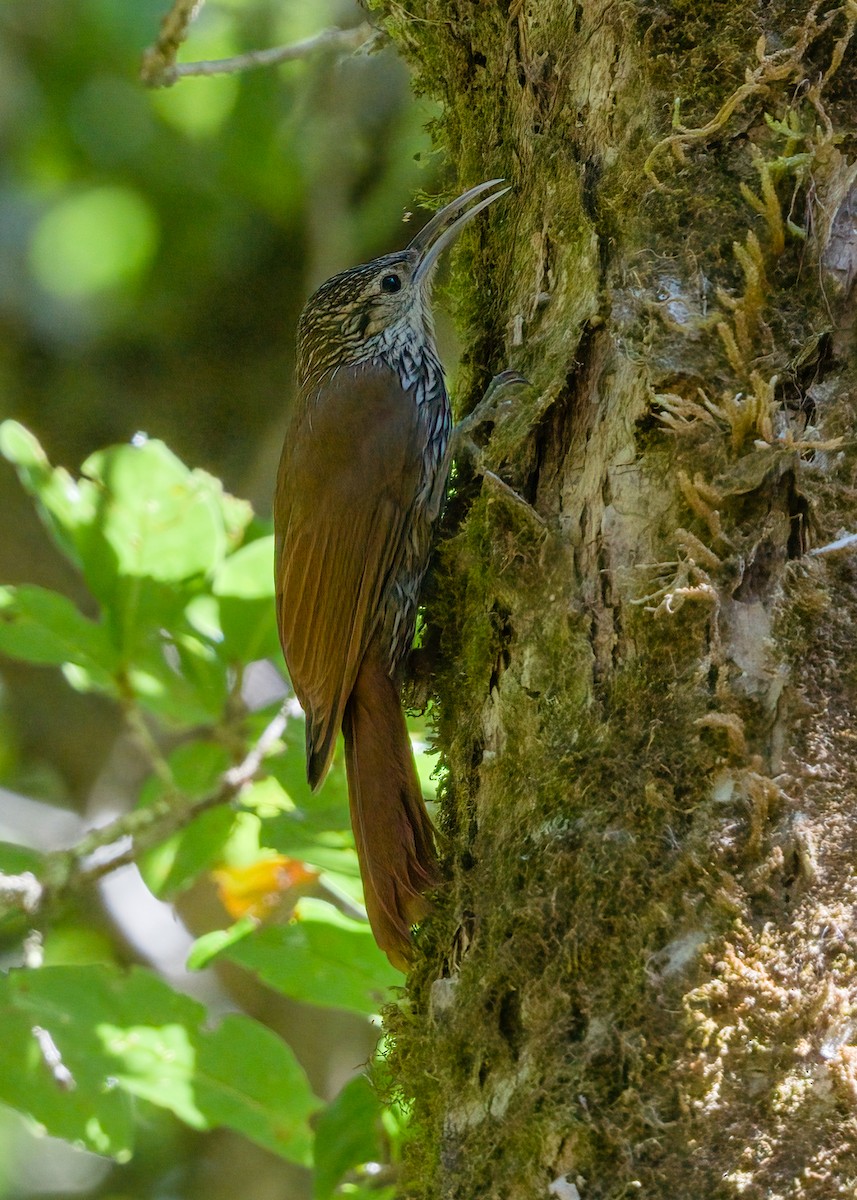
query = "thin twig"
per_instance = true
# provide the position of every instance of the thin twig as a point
(237, 777)
(128, 836)
(142, 735)
(354, 39)
(160, 58)
(516, 498)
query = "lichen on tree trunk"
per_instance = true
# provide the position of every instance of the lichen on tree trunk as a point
(641, 975)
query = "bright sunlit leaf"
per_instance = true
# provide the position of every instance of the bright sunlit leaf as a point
(244, 587)
(66, 505)
(158, 518)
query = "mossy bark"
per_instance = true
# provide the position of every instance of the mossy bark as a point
(641, 978)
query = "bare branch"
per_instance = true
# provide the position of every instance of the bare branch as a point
(166, 73)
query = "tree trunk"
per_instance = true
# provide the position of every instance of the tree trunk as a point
(641, 978)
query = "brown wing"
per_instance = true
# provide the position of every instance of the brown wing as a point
(348, 477)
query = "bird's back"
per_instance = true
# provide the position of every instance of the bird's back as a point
(355, 507)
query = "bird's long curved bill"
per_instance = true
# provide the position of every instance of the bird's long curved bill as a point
(445, 225)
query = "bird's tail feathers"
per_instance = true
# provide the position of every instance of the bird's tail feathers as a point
(392, 830)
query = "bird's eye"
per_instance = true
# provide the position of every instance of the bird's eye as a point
(391, 283)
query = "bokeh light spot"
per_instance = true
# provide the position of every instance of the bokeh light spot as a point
(93, 240)
(197, 107)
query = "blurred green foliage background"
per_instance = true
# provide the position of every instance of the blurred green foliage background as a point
(155, 250)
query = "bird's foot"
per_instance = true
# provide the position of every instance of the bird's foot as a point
(498, 397)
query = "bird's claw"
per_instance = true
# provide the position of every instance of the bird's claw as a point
(488, 408)
(499, 391)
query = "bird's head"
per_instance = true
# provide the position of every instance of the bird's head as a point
(374, 308)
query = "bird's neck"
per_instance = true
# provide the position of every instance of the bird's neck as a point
(410, 355)
(415, 360)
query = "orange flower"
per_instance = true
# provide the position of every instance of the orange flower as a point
(260, 888)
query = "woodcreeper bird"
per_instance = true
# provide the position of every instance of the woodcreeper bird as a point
(360, 487)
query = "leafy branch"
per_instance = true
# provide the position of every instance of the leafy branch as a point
(179, 578)
(129, 835)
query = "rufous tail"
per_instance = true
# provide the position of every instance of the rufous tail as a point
(392, 830)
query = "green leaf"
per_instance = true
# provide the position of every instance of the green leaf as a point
(74, 1099)
(347, 1135)
(202, 668)
(66, 506)
(160, 520)
(15, 859)
(136, 511)
(289, 769)
(321, 957)
(316, 829)
(244, 586)
(208, 946)
(240, 1075)
(203, 616)
(106, 1036)
(187, 855)
(145, 531)
(197, 768)
(179, 679)
(248, 573)
(237, 515)
(41, 626)
(70, 943)
(149, 535)
(274, 1101)
(326, 810)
